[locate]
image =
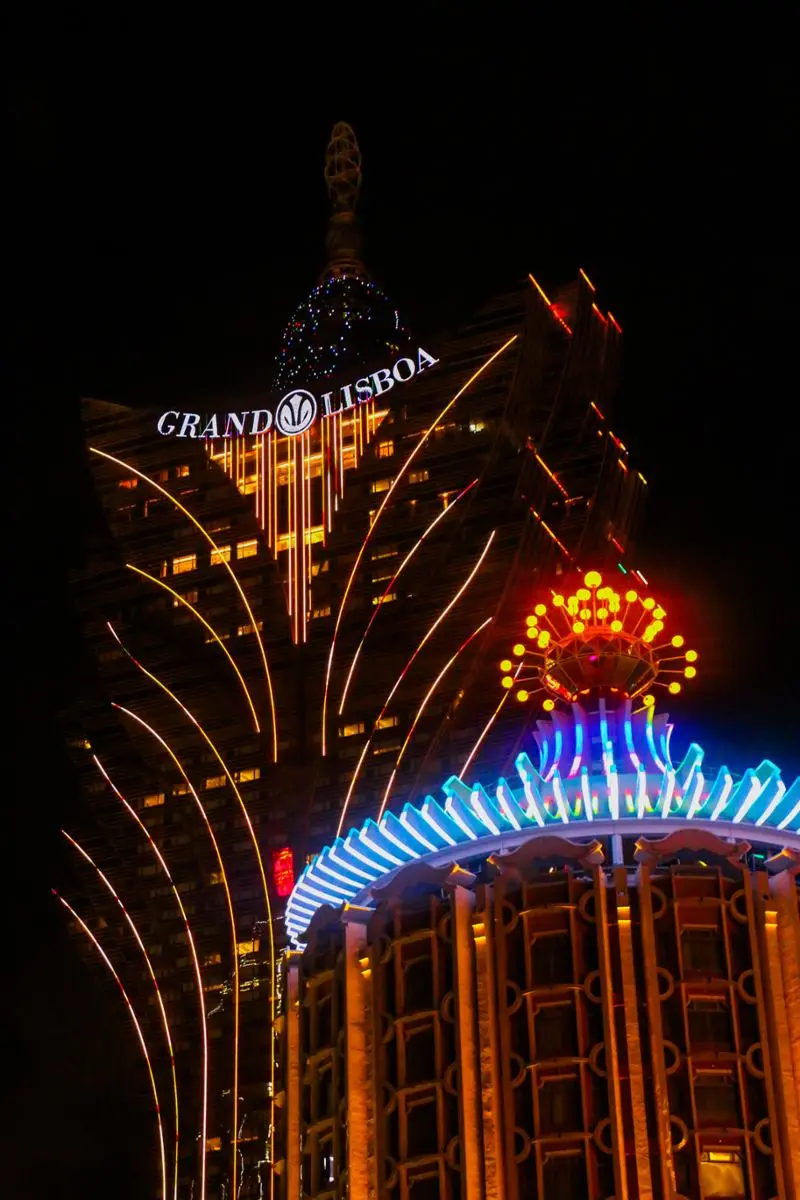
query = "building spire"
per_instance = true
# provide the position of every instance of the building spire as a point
(343, 178)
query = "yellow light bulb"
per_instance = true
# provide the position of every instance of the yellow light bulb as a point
(548, 705)
(543, 639)
(519, 649)
(505, 665)
(558, 601)
(532, 631)
(658, 626)
(578, 627)
(631, 596)
(691, 655)
(613, 604)
(602, 613)
(531, 620)
(616, 626)
(583, 593)
(522, 695)
(593, 579)
(649, 602)
(677, 641)
(659, 613)
(648, 700)
(540, 610)
(690, 672)
(674, 687)
(586, 614)
(507, 682)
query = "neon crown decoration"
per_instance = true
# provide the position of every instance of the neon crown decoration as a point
(595, 640)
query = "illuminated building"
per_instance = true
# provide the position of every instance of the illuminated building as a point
(579, 978)
(287, 630)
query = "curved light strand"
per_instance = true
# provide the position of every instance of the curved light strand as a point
(421, 709)
(211, 630)
(440, 516)
(229, 901)
(397, 479)
(404, 672)
(487, 727)
(257, 849)
(139, 1034)
(153, 980)
(141, 475)
(196, 961)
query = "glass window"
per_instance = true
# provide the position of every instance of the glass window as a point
(251, 946)
(380, 485)
(352, 729)
(222, 554)
(384, 599)
(128, 483)
(210, 960)
(324, 611)
(180, 789)
(387, 722)
(419, 476)
(216, 781)
(247, 549)
(384, 552)
(190, 597)
(183, 563)
(246, 774)
(385, 449)
(182, 471)
(154, 799)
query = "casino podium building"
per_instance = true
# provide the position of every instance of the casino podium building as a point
(293, 613)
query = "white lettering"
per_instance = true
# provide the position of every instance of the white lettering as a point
(160, 426)
(430, 361)
(384, 376)
(211, 430)
(411, 370)
(362, 385)
(238, 423)
(267, 415)
(189, 426)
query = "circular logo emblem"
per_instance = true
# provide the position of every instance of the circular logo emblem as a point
(296, 412)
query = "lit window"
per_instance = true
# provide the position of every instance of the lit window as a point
(249, 947)
(320, 568)
(213, 1144)
(351, 730)
(283, 871)
(182, 471)
(246, 774)
(247, 549)
(180, 789)
(477, 426)
(385, 449)
(419, 476)
(380, 485)
(314, 535)
(154, 799)
(446, 497)
(128, 483)
(384, 599)
(215, 877)
(241, 630)
(325, 611)
(216, 781)
(183, 563)
(383, 578)
(222, 554)
(387, 722)
(190, 597)
(386, 748)
(386, 552)
(249, 486)
(210, 960)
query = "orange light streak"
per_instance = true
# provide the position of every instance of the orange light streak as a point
(196, 961)
(256, 848)
(141, 475)
(431, 629)
(440, 516)
(396, 481)
(615, 323)
(421, 710)
(597, 410)
(488, 726)
(229, 902)
(211, 630)
(154, 981)
(540, 290)
(550, 533)
(139, 1034)
(551, 474)
(597, 313)
(587, 280)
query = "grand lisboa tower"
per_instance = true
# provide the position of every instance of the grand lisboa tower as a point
(578, 980)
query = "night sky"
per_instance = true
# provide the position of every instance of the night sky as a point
(168, 213)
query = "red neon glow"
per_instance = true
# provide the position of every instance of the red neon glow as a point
(283, 871)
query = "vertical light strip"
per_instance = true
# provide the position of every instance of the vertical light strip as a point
(395, 482)
(402, 675)
(377, 608)
(256, 848)
(421, 710)
(231, 917)
(211, 630)
(139, 1034)
(195, 960)
(154, 981)
(141, 475)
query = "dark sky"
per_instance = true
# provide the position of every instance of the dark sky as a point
(169, 211)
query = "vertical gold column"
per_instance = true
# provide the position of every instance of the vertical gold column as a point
(293, 1075)
(785, 895)
(780, 980)
(469, 1081)
(360, 1108)
(489, 1049)
(666, 1159)
(634, 1044)
(610, 1033)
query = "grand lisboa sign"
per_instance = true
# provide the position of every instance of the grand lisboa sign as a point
(298, 410)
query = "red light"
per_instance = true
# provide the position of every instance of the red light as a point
(283, 871)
